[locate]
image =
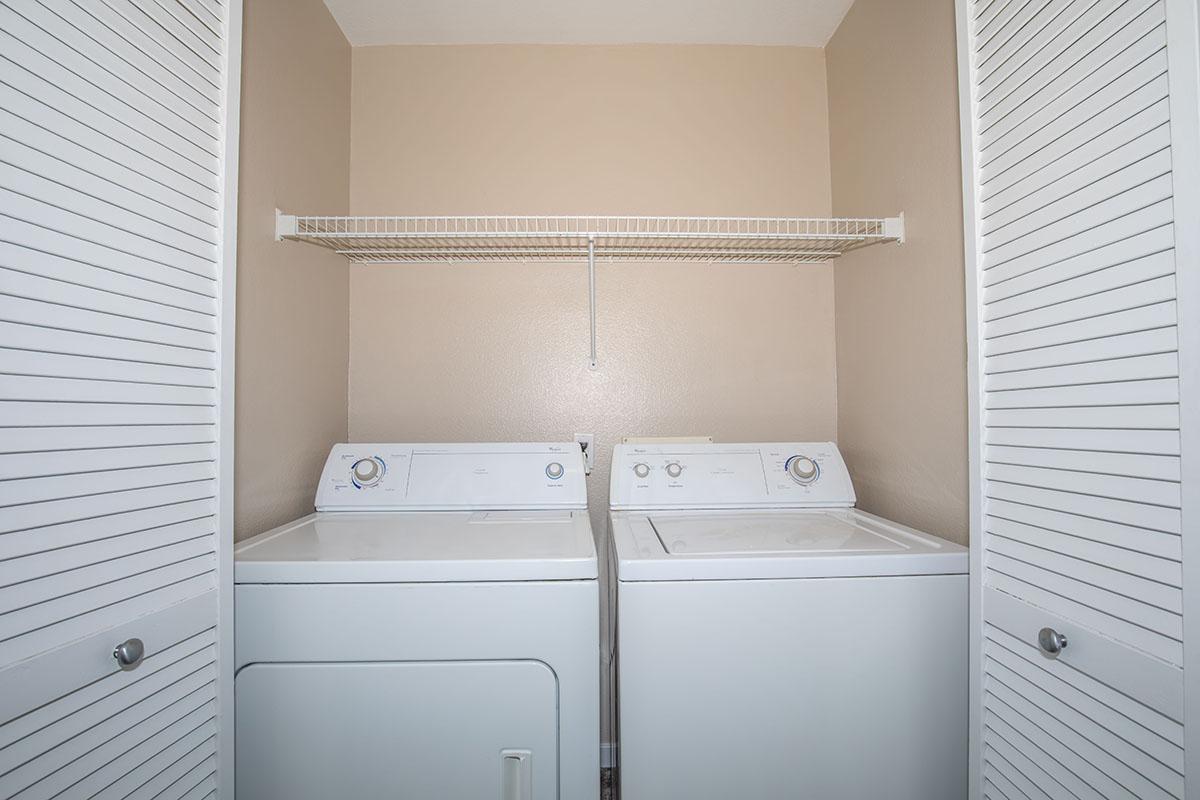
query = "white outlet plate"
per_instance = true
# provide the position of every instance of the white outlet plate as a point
(588, 442)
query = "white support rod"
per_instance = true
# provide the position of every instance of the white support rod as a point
(592, 293)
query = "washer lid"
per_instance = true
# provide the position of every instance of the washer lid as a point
(717, 545)
(421, 547)
(762, 534)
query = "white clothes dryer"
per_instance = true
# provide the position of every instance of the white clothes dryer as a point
(431, 631)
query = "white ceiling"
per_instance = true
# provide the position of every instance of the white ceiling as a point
(807, 23)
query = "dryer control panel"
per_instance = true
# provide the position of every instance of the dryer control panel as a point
(775, 475)
(448, 477)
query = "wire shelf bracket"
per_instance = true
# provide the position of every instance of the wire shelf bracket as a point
(730, 240)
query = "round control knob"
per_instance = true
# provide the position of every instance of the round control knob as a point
(641, 470)
(803, 469)
(367, 471)
(554, 470)
(674, 470)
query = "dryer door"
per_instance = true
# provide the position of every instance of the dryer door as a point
(397, 730)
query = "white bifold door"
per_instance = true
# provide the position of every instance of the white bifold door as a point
(118, 144)
(1080, 186)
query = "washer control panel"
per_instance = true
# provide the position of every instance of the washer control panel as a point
(774, 475)
(443, 477)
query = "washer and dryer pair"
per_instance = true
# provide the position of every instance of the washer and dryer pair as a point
(433, 631)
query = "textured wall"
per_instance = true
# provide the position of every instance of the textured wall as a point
(901, 349)
(292, 322)
(500, 351)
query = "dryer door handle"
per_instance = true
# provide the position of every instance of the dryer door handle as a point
(516, 774)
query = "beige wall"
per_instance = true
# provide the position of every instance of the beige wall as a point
(500, 351)
(901, 352)
(292, 324)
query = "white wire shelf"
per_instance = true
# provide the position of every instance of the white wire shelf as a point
(733, 240)
(743, 240)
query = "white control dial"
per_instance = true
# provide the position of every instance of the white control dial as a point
(554, 470)
(674, 470)
(802, 469)
(367, 472)
(641, 470)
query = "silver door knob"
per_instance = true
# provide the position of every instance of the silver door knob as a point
(129, 654)
(1051, 641)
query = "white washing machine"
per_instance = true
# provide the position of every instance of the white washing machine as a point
(430, 632)
(775, 642)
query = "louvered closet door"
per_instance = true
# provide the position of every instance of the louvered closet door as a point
(1078, 523)
(115, 291)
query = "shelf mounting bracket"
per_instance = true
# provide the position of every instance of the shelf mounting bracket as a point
(592, 294)
(285, 225)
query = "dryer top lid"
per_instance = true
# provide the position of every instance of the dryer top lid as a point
(421, 547)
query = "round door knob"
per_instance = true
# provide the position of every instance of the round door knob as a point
(802, 469)
(554, 470)
(129, 654)
(366, 472)
(674, 470)
(641, 470)
(1051, 641)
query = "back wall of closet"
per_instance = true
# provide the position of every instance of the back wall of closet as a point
(500, 351)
